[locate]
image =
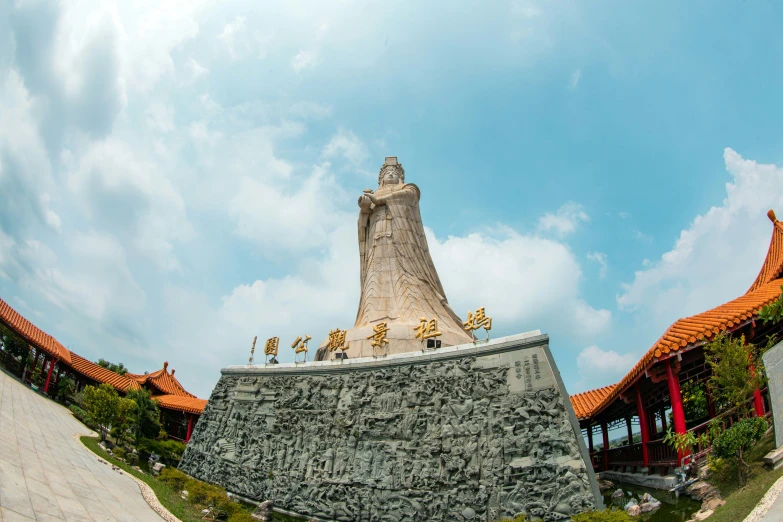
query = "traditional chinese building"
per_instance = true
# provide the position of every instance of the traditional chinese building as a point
(642, 401)
(179, 408)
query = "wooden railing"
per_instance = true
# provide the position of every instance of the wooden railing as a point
(626, 455)
(661, 453)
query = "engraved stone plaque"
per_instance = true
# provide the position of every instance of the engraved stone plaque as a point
(478, 432)
(773, 364)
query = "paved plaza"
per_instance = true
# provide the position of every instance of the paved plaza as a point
(45, 474)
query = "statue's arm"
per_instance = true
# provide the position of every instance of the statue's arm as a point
(364, 218)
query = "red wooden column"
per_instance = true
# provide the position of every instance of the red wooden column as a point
(758, 402)
(678, 413)
(605, 432)
(49, 376)
(590, 448)
(643, 426)
(663, 419)
(190, 429)
(630, 430)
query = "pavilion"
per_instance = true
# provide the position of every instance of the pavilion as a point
(652, 389)
(180, 409)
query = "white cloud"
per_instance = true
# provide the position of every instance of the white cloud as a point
(346, 144)
(718, 256)
(304, 60)
(604, 363)
(229, 34)
(195, 70)
(296, 219)
(573, 82)
(119, 187)
(527, 282)
(600, 258)
(159, 117)
(565, 220)
(305, 109)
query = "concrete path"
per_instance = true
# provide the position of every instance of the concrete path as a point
(47, 475)
(775, 510)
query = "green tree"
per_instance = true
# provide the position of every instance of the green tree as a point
(773, 312)
(65, 388)
(147, 425)
(734, 442)
(102, 403)
(126, 421)
(733, 381)
(118, 368)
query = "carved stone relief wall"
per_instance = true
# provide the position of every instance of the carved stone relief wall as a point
(465, 437)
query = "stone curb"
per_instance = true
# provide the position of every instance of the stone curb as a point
(146, 491)
(766, 502)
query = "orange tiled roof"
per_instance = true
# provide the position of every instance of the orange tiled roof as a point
(162, 380)
(585, 402)
(180, 403)
(101, 374)
(32, 334)
(702, 327)
(773, 264)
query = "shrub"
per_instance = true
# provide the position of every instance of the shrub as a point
(119, 453)
(737, 440)
(244, 516)
(65, 388)
(607, 515)
(169, 451)
(82, 415)
(174, 478)
(132, 458)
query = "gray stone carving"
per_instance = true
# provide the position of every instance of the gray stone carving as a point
(464, 433)
(773, 365)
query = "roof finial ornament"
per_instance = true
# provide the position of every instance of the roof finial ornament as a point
(172, 371)
(165, 364)
(771, 216)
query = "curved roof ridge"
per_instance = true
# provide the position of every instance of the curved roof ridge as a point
(773, 263)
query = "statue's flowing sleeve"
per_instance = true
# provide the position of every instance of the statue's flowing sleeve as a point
(363, 225)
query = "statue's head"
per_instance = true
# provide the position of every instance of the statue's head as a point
(391, 173)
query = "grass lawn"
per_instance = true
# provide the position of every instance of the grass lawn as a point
(167, 496)
(741, 501)
(170, 499)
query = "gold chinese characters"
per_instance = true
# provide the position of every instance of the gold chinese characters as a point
(379, 335)
(479, 320)
(271, 347)
(252, 350)
(300, 346)
(337, 340)
(427, 329)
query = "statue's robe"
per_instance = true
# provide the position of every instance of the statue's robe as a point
(399, 283)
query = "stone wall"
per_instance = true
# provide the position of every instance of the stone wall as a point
(463, 433)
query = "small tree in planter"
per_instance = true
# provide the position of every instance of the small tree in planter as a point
(734, 442)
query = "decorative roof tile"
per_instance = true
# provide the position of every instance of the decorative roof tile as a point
(585, 402)
(163, 381)
(180, 403)
(32, 334)
(101, 374)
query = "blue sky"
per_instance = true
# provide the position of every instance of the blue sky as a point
(177, 177)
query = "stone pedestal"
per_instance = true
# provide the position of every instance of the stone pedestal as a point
(473, 431)
(773, 364)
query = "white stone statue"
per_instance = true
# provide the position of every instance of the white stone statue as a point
(400, 285)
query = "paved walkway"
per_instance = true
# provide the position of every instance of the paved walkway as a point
(47, 475)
